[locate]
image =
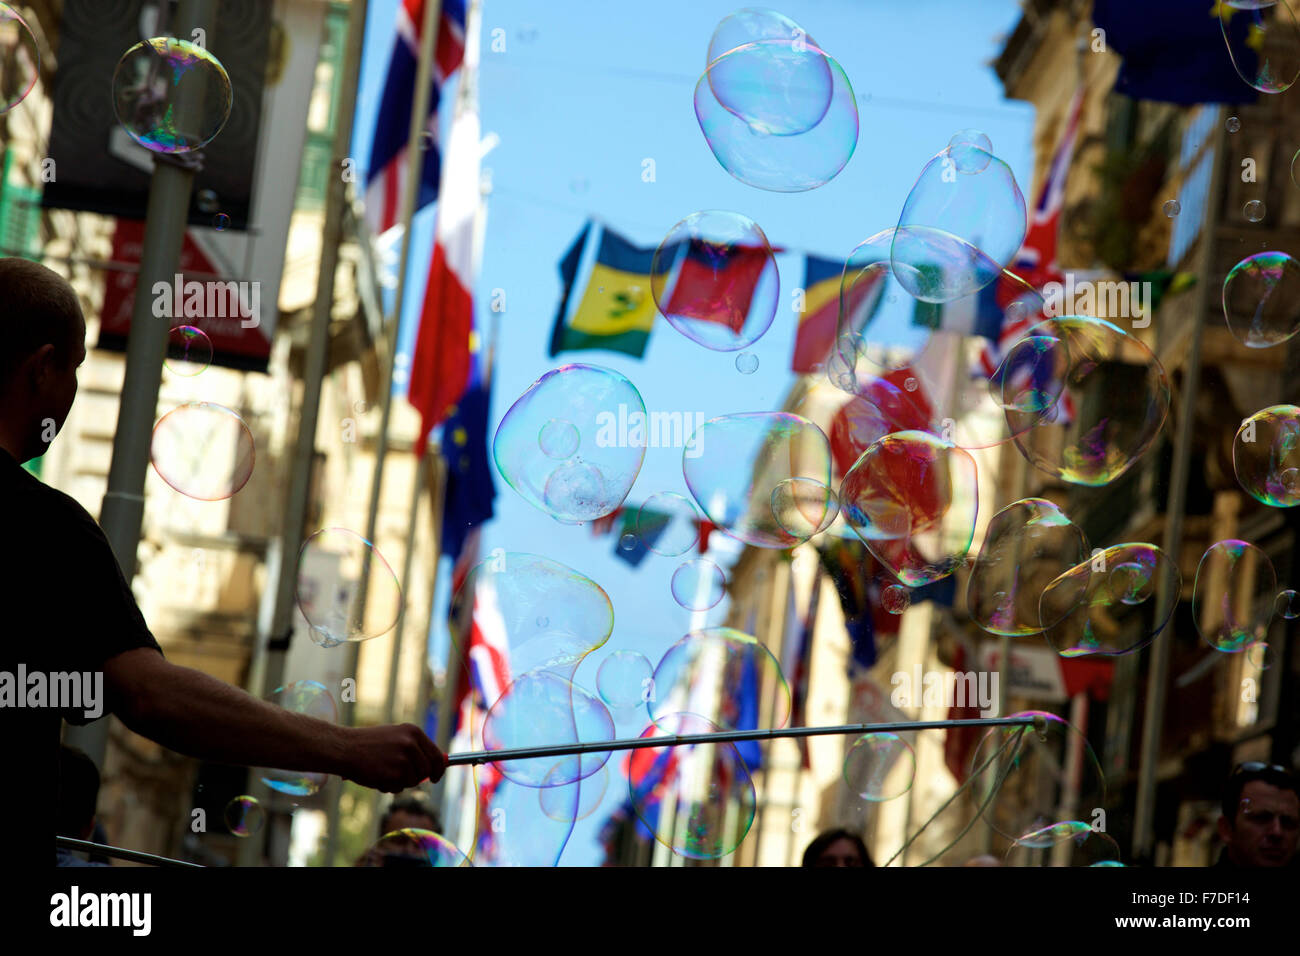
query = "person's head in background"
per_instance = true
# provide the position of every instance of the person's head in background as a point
(78, 793)
(410, 811)
(984, 859)
(837, 848)
(1261, 816)
(43, 341)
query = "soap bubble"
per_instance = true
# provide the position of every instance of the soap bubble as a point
(708, 791)
(668, 524)
(1107, 604)
(541, 708)
(311, 699)
(961, 225)
(245, 816)
(698, 584)
(607, 414)
(1287, 605)
(912, 498)
(203, 450)
(705, 671)
(715, 280)
(1266, 455)
(1113, 403)
(412, 847)
(1253, 211)
(1069, 843)
(1028, 544)
(1172, 208)
(1265, 48)
(345, 556)
(1234, 594)
(558, 804)
(896, 599)
(221, 222)
(758, 129)
(189, 351)
(20, 59)
(620, 679)
(879, 767)
(746, 363)
(1232, 124)
(1261, 299)
(171, 96)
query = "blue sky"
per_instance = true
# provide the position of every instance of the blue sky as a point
(584, 91)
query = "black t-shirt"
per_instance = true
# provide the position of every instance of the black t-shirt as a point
(65, 608)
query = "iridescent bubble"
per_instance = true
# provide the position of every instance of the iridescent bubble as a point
(803, 507)
(1261, 299)
(558, 804)
(312, 699)
(708, 791)
(778, 87)
(621, 679)
(627, 542)
(715, 280)
(1263, 42)
(668, 524)
(1113, 403)
(1253, 210)
(541, 708)
(912, 498)
(221, 222)
(971, 161)
(698, 584)
(705, 671)
(1232, 124)
(244, 816)
(412, 847)
(346, 557)
(1028, 545)
(1295, 168)
(771, 90)
(1172, 208)
(1261, 655)
(961, 225)
(880, 767)
(1035, 765)
(1266, 455)
(867, 290)
(503, 596)
(607, 413)
(896, 598)
(1232, 600)
(513, 829)
(189, 351)
(559, 439)
(1032, 376)
(1068, 843)
(733, 465)
(746, 363)
(1287, 605)
(1107, 604)
(203, 450)
(170, 95)
(20, 59)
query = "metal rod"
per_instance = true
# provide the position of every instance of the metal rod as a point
(729, 736)
(135, 856)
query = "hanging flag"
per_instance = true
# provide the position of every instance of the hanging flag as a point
(440, 367)
(470, 490)
(960, 741)
(1175, 52)
(478, 632)
(710, 284)
(819, 321)
(857, 578)
(386, 182)
(974, 314)
(616, 310)
(645, 527)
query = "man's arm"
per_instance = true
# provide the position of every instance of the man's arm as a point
(192, 713)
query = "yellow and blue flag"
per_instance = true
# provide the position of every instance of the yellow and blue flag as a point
(616, 310)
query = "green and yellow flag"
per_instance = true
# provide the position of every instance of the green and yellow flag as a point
(616, 310)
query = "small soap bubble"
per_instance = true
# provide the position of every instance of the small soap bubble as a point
(244, 816)
(698, 584)
(1233, 124)
(896, 599)
(189, 351)
(746, 363)
(559, 439)
(627, 542)
(1172, 207)
(221, 222)
(1287, 605)
(1253, 210)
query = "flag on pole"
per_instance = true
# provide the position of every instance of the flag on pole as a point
(386, 182)
(470, 490)
(974, 314)
(478, 632)
(819, 321)
(440, 367)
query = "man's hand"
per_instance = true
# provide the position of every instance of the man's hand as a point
(391, 758)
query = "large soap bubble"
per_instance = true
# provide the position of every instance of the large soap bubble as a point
(171, 95)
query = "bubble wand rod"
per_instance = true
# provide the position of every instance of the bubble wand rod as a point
(729, 736)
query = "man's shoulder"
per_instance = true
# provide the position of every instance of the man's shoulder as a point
(33, 502)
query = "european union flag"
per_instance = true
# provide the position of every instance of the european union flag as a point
(1175, 51)
(470, 489)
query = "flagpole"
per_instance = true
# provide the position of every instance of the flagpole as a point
(730, 736)
(414, 161)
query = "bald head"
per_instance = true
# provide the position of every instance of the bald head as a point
(42, 341)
